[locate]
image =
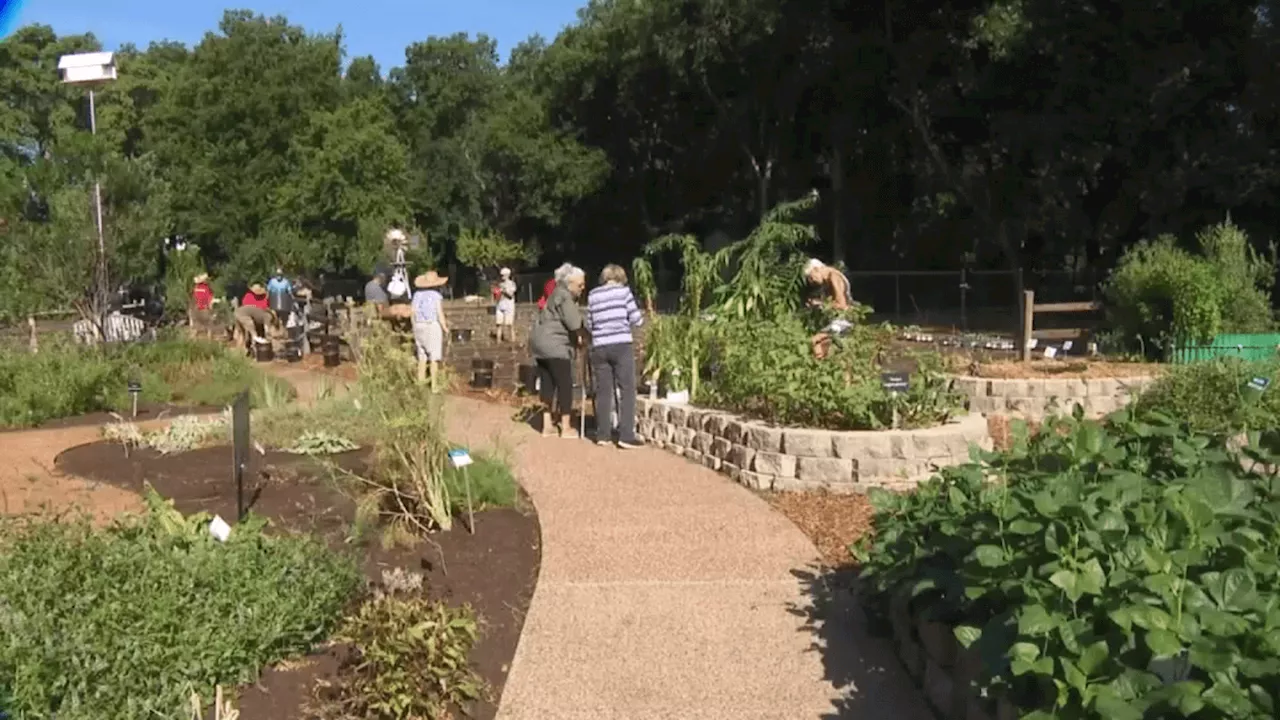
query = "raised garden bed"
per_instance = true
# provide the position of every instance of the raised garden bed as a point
(493, 570)
(766, 457)
(1036, 389)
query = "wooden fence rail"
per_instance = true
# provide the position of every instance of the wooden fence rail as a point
(1029, 310)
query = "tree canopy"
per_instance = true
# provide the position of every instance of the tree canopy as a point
(1030, 134)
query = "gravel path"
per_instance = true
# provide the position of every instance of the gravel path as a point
(668, 592)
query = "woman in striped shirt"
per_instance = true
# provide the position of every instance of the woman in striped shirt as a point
(611, 313)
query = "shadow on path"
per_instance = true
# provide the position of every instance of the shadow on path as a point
(857, 661)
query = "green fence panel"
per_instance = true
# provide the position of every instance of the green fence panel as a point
(1259, 346)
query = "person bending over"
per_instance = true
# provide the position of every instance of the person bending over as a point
(833, 293)
(253, 316)
(553, 338)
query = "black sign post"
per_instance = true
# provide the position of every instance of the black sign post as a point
(239, 447)
(895, 383)
(135, 389)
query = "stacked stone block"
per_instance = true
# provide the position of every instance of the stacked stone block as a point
(766, 457)
(1036, 398)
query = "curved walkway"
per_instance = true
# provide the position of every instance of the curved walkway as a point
(667, 592)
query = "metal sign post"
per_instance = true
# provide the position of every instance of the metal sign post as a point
(135, 389)
(240, 448)
(895, 383)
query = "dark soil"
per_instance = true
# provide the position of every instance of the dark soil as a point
(146, 411)
(493, 570)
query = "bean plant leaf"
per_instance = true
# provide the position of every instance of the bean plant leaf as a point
(1163, 643)
(1025, 527)
(990, 556)
(1231, 590)
(1036, 621)
(1091, 578)
(1067, 581)
(967, 635)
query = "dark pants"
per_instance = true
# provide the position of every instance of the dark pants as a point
(555, 378)
(615, 370)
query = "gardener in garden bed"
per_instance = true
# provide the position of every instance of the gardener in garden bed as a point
(553, 338)
(834, 295)
(254, 316)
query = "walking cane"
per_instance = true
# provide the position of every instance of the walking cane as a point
(582, 413)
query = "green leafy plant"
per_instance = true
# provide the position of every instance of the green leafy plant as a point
(1159, 294)
(1210, 397)
(124, 623)
(1122, 570)
(188, 432)
(407, 482)
(320, 442)
(486, 249)
(411, 660)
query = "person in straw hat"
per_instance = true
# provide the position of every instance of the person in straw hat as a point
(504, 315)
(429, 325)
(253, 315)
(201, 319)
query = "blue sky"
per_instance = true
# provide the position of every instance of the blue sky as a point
(382, 28)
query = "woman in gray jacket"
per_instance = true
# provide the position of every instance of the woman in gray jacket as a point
(554, 335)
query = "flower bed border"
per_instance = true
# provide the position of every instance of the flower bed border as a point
(944, 670)
(1033, 398)
(767, 457)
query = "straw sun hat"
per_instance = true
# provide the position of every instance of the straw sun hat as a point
(257, 289)
(202, 277)
(429, 280)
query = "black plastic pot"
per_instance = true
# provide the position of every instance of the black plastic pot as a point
(332, 350)
(262, 352)
(461, 335)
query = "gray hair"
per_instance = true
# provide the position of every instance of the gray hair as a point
(563, 271)
(573, 273)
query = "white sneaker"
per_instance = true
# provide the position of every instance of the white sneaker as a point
(260, 340)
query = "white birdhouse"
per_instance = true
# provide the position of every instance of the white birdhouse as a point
(87, 68)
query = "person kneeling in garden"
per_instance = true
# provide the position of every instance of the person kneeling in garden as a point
(834, 296)
(253, 316)
(429, 325)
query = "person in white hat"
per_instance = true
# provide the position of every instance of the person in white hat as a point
(834, 293)
(504, 315)
(429, 325)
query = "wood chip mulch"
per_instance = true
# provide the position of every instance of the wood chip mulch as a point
(831, 521)
(1067, 368)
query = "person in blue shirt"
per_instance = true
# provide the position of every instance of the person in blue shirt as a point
(280, 293)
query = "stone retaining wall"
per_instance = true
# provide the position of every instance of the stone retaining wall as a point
(766, 457)
(945, 670)
(1035, 398)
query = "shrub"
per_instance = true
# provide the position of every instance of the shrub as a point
(64, 380)
(1119, 570)
(410, 661)
(1160, 294)
(1210, 397)
(126, 622)
(492, 483)
(764, 369)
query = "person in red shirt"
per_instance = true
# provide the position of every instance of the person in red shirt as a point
(254, 315)
(202, 307)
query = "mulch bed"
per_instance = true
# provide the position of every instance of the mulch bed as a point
(493, 570)
(146, 411)
(832, 522)
(1069, 368)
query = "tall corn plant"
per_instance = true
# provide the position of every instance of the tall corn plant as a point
(677, 343)
(768, 281)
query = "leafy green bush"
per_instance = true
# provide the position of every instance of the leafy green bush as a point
(492, 483)
(1159, 293)
(765, 370)
(1120, 570)
(1210, 397)
(125, 623)
(411, 661)
(65, 380)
